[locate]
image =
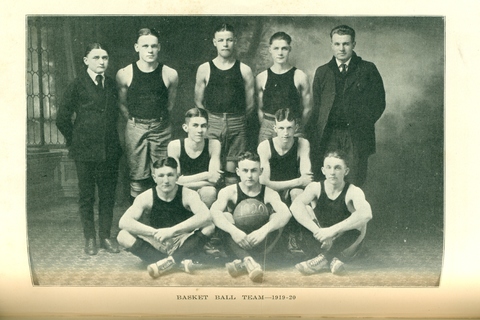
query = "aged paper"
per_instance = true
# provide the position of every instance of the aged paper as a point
(459, 290)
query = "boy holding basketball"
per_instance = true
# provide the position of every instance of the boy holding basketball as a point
(246, 243)
(338, 223)
(167, 224)
(285, 161)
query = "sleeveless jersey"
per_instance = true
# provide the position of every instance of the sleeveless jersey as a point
(242, 196)
(191, 166)
(330, 212)
(280, 92)
(167, 214)
(147, 96)
(225, 92)
(285, 167)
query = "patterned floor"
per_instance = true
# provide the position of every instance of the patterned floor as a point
(395, 257)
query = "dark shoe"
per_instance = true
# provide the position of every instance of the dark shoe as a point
(109, 245)
(91, 246)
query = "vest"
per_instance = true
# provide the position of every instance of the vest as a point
(280, 92)
(285, 167)
(225, 92)
(147, 96)
(191, 166)
(329, 212)
(167, 214)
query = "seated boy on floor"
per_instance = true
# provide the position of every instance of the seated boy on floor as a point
(246, 244)
(167, 224)
(337, 225)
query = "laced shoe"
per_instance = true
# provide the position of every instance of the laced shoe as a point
(235, 268)
(255, 272)
(158, 268)
(337, 267)
(312, 266)
(189, 266)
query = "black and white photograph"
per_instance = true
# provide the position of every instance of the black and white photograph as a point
(319, 107)
(249, 161)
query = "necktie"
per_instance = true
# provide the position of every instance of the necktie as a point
(343, 68)
(99, 79)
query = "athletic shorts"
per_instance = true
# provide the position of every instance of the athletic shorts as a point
(266, 128)
(229, 129)
(169, 246)
(145, 143)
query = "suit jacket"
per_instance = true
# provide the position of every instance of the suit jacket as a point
(92, 134)
(364, 97)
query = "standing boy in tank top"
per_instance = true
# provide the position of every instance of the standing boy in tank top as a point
(225, 88)
(337, 225)
(147, 91)
(163, 226)
(285, 161)
(281, 86)
(197, 156)
(245, 246)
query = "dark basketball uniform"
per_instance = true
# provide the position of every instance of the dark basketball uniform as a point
(226, 105)
(191, 166)
(284, 167)
(166, 214)
(148, 130)
(280, 92)
(263, 247)
(329, 212)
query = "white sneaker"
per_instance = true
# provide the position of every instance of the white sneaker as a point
(254, 269)
(337, 267)
(155, 270)
(235, 268)
(312, 266)
(189, 266)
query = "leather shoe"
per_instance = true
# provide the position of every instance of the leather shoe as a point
(109, 245)
(91, 247)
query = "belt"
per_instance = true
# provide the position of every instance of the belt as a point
(145, 121)
(226, 115)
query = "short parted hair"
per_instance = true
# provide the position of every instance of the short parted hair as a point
(224, 27)
(343, 30)
(339, 154)
(165, 162)
(248, 155)
(148, 31)
(196, 112)
(94, 45)
(285, 114)
(281, 36)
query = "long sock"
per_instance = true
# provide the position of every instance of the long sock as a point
(193, 244)
(146, 251)
(341, 243)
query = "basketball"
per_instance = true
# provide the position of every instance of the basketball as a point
(250, 215)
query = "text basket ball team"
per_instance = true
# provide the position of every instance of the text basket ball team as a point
(205, 192)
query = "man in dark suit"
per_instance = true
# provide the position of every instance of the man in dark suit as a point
(93, 142)
(349, 98)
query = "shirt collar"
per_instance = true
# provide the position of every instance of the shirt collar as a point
(346, 63)
(93, 75)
